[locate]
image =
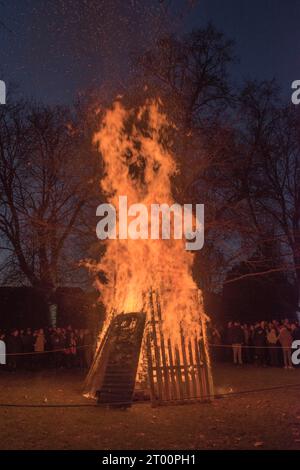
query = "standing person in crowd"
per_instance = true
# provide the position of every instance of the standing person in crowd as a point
(272, 340)
(216, 341)
(28, 348)
(39, 347)
(58, 345)
(88, 347)
(237, 339)
(259, 341)
(71, 349)
(228, 340)
(13, 350)
(247, 343)
(80, 350)
(285, 339)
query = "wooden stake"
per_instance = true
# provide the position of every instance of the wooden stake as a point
(172, 371)
(157, 367)
(185, 366)
(192, 367)
(150, 372)
(178, 374)
(163, 351)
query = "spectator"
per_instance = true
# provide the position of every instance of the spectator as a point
(88, 347)
(39, 347)
(237, 339)
(58, 345)
(71, 349)
(28, 348)
(247, 342)
(272, 339)
(216, 341)
(81, 350)
(285, 338)
(259, 341)
(13, 348)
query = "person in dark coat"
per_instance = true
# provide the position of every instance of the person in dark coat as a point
(228, 340)
(285, 339)
(237, 339)
(260, 343)
(58, 346)
(13, 349)
(272, 341)
(247, 351)
(28, 348)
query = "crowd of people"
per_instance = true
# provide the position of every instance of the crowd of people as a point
(262, 343)
(47, 347)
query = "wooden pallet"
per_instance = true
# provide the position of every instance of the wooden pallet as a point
(119, 359)
(177, 373)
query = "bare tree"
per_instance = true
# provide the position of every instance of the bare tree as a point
(270, 175)
(43, 191)
(190, 74)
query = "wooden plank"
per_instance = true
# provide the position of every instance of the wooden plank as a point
(205, 355)
(204, 376)
(192, 369)
(96, 370)
(163, 351)
(123, 352)
(185, 367)
(199, 378)
(156, 349)
(179, 374)
(175, 394)
(150, 372)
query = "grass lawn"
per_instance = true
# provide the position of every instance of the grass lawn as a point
(260, 420)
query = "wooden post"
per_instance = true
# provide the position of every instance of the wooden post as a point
(198, 368)
(206, 358)
(185, 366)
(192, 368)
(172, 371)
(178, 374)
(150, 372)
(156, 349)
(202, 370)
(163, 351)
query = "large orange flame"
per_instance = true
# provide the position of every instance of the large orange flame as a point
(139, 165)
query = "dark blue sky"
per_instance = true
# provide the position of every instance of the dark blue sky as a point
(53, 49)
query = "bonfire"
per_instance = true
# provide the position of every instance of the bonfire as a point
(146, 275)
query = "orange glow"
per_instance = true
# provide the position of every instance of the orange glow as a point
(139, 165)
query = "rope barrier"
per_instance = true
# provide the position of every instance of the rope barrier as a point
(247, 346)
(55, 405)
(92, 345)
(48, 351)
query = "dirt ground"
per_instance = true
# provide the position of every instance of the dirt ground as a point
(268, 419)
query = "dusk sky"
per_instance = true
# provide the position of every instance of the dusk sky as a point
(54, 49)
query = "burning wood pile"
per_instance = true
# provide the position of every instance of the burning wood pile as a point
(177, 372)
(132, 355)
(139, 165)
